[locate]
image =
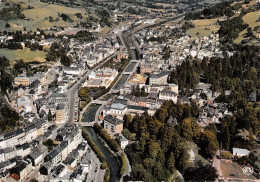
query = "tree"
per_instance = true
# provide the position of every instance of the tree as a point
(65, 60)
(212, 127)
(201, 173)
(33, 180)
(154, 126)
(79, 15)
(190, 129)
(153, 149)
(51, 19)
(49, 142)
(49, 115)
(161, 114)
(127, 120)
(159, 172)
(160, 157)
(186, 129)
(208, 144)
(171, 162)
(183, 161)
(123, 164)
(226, 155)
(4, 62)
(7, 25)
(225, 138)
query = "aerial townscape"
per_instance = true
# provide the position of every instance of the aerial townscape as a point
(128, 90)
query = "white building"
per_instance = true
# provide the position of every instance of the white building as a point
(123, 142)
(192, 156)
(240, 152)
(102, 77)
(116, 109)
(72, 70)
(168, 95)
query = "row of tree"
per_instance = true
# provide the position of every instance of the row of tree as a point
(99, 154)
(6, 77)
(123, 164)
(110, 141)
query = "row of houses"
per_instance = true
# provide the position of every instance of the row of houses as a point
(24, 135)
(93, 53)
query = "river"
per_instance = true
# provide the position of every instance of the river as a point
(90, 115)
(111, 159)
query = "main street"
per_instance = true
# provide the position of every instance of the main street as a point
(72, 93)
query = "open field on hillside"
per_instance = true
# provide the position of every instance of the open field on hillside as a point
(38, 16)
(26, 54)
(203, 27)
(252, 20)
(253, 2)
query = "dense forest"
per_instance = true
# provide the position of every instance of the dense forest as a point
(239, 73)
(161, 148)
(218, 10)
(231, 28)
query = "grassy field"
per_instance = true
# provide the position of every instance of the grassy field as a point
(203, 27)
(251, 20)
(38, 17)
(253, 2)
(27, 55)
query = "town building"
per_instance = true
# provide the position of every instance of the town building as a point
(113, 125)
(240, 152)
(60, 114)
(159, 78)
(24, 81)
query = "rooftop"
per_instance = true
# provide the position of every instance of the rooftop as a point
(118, 106)
(113, 120)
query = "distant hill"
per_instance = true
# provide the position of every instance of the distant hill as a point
(237, 21)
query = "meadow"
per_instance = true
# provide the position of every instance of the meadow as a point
(38, 16)
(204, 27)
(27, 55)
(252, 20)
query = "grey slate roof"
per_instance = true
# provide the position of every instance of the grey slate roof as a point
(113, 120)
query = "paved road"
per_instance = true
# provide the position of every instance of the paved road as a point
(72, 92)
(95, 173)
(216, 164)
(74, 89)
(122, 40)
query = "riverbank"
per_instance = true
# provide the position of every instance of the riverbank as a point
(111, 160)
(99, 154)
